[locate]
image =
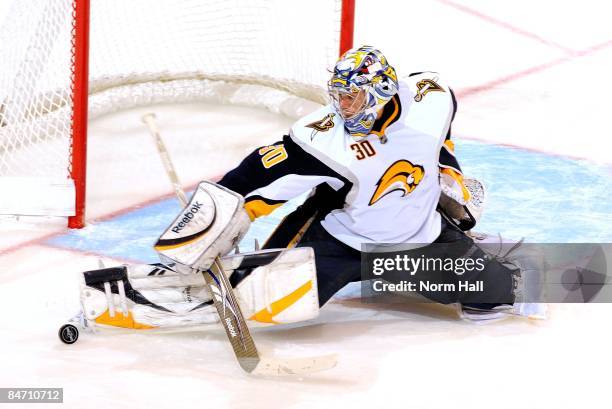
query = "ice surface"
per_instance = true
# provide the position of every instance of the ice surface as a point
(513, 89)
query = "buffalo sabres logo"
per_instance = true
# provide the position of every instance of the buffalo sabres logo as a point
(425, 87)
(401, 176)
(322, 125)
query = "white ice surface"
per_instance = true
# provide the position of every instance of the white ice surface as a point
(402, 357)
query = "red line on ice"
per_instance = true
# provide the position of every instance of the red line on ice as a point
(467, 92)
(507, 26)
(41, 240)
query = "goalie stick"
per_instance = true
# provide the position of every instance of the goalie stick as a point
(226, 303)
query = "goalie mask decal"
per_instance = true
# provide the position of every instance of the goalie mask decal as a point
(401, 176)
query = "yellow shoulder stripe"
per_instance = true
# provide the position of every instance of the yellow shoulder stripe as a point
(257, 208)
(450, 145)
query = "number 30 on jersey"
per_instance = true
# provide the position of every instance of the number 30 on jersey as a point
(272, 155)
(363, 149)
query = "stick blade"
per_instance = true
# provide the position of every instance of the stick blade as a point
(299, 366)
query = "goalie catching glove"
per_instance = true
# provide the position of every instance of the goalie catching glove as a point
(462, 199)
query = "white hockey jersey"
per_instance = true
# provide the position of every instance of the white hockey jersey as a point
(391, 190)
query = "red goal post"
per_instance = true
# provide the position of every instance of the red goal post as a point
(64, 62)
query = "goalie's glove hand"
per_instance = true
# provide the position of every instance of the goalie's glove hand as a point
(452, 186)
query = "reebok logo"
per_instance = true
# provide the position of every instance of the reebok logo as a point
(187, 294)
(187, 217)
(230, 327)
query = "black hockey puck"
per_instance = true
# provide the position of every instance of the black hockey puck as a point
(68, 333)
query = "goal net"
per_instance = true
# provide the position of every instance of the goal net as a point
(271, 53)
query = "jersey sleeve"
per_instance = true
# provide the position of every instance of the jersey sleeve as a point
(449, 165)
(272, 175)
(448, 160)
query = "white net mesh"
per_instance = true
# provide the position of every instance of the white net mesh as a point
(35, 80)
(273, 53)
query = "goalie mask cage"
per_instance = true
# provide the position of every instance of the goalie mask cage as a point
(63, 62)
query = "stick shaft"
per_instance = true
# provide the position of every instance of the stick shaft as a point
(149, 120)
(216, 279)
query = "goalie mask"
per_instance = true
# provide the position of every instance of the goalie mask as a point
(362, 83)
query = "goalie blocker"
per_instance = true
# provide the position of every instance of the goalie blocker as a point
(210, 226)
